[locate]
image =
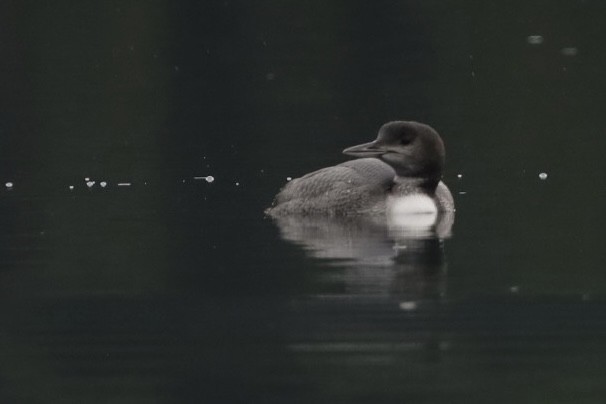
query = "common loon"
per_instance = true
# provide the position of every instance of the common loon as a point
(400, 170)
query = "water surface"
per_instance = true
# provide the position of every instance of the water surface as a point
(174, 289)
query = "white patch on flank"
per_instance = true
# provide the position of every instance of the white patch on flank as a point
(417, 210)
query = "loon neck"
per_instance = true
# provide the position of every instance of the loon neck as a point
(407, 183)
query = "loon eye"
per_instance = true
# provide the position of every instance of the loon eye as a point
(405, 141)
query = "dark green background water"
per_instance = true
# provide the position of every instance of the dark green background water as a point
(177, 290)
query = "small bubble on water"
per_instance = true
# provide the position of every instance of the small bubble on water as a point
(237, 184)
(459, 176)
(288, 178)
(86, 179)
(569, 51)
(210, 179)
(408, 306)
(90, 184)
(534, 39)
(543, 176)
(9, 185)
(103, 184)
(71, 187)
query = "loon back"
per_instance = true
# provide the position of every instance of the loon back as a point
(350, 188)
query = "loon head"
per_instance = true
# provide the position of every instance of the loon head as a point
(412, 149)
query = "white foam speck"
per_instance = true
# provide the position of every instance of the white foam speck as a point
(514, 289)
(71, 187)
(90, 184)
(103, 184)
(237, 184)
(288, 178)
(543, 176)
(459, 175)
(208, 178)
(9, 184)
(408, 306)
(534, 39)
(570, 51)
(462, 192)
(124, 184)
(86, 179)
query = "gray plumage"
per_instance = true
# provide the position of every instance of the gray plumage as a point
(354, 187)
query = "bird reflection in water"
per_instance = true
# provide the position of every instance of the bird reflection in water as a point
(388, 310)
(401, 258)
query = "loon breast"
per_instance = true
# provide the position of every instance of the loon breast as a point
(418, 203)
(413, 210)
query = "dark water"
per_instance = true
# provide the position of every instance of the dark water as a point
(176, 290)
